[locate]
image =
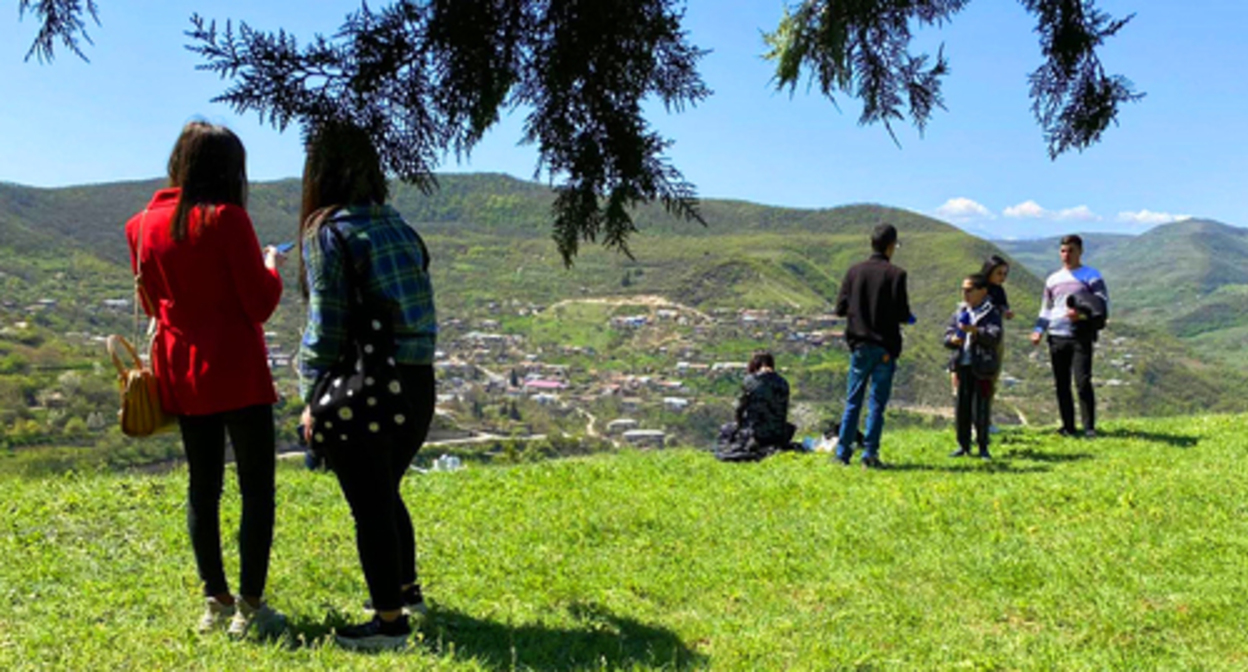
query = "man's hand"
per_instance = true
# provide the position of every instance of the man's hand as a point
(1035, 337)
(969, 328)
(1073, 315)
(955, 341)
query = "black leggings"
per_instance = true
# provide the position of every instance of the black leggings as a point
(251, 434)
(1073, 355)
(370, 475)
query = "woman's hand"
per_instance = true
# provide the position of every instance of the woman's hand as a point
(305, 421)
(273, 259)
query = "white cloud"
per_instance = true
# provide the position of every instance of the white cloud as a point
(1026, 209)
(962, 209)
(1079, 213)
(1150, 218)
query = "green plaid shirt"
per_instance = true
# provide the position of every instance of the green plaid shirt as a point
(395, 269)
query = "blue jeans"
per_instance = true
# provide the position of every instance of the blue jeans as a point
(873, 363)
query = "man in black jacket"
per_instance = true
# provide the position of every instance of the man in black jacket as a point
(873, 297)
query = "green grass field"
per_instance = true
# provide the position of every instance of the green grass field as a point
(1127, 552)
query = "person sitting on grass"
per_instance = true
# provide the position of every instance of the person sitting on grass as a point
(762, 425)
(973, 334)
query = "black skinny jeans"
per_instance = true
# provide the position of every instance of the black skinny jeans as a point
(252, 436)
(1073, 355)
(370, 475)
(974, 408)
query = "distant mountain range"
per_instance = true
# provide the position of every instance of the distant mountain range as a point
(1188, 278)
(489, 237)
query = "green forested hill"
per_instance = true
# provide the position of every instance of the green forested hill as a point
(1173, 267)
(493, 259)
(1039, 255)
(1188, 278)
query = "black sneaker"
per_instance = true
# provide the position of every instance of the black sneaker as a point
(961, 452)
(985, 455)
(375, 635)
(873, 463)
(841, 460)
(1066, 433)
(413, 602)
(1089, 434)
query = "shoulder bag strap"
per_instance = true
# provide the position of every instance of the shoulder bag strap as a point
(140, 292)
(348, 260)
(356, 289)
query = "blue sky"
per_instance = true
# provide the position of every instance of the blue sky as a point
(1182, 151)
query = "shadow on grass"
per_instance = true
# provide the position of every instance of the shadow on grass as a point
(302, 630)
(600, 640)
(1033, 455)
(1172, 440)
(970, 465)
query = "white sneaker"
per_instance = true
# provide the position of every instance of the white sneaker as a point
(215, 616)
(263, 620)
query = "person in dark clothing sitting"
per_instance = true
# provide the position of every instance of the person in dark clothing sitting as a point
(762, 425)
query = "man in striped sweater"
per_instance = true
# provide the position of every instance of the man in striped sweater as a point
(1071, 341)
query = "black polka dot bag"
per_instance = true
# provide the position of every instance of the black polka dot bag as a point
(361, 398)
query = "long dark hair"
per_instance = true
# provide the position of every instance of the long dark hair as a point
(209, 165)
(992, 263)
(342, 169)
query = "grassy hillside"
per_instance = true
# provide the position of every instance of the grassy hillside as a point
(1121, 553)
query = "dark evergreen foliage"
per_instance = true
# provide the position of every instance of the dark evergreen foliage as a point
(430, 76)
(59, 20)
(861, 49)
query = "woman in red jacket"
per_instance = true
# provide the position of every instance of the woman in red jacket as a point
(210, 289)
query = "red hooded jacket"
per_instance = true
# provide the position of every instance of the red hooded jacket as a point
(211, 295)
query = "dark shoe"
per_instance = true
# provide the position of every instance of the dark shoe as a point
(413, 602)
(961, 452)
(842, 460)
(1066, 433)
(873, 463)
(375, 635)
(1089, 434)
(985, 455)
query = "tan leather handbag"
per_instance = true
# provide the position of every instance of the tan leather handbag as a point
(141, 413)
